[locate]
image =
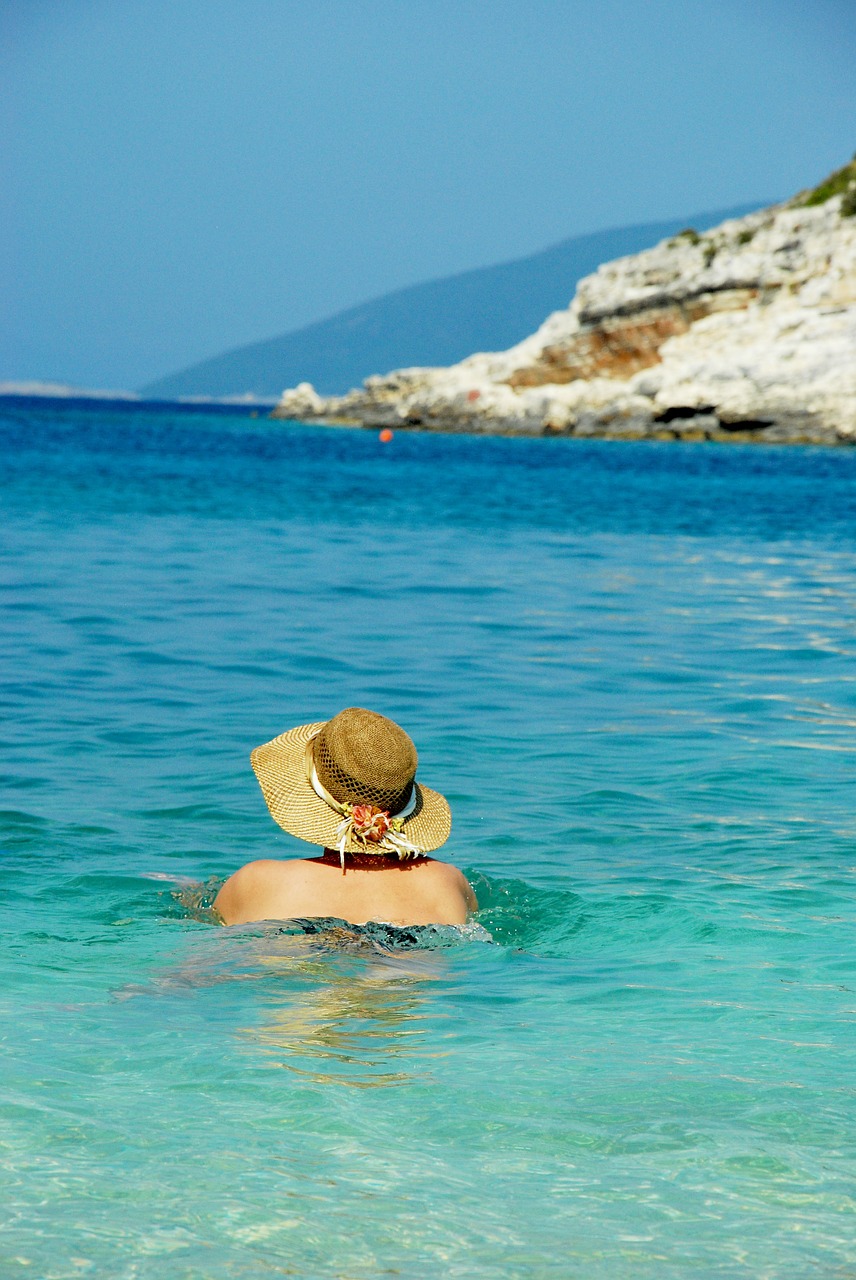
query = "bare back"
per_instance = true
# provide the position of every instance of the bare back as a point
(421, 892)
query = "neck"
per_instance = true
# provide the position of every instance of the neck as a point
(368, 861)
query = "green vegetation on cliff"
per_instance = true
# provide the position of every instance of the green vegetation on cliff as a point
(841, 182)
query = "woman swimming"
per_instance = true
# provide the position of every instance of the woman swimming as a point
(349, 785)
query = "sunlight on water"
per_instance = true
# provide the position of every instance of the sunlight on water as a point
(630, 670)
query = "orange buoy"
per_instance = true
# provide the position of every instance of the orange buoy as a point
(385, 436)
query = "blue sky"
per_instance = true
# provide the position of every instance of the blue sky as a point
(182, 176)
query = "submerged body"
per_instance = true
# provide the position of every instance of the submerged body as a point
(422, 891)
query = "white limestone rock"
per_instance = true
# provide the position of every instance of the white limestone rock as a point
(762, 364)
(302, 401)
(748, 330)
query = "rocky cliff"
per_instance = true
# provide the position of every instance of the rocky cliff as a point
(745, 332)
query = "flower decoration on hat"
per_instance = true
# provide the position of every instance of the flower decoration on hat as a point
(373, 831)
(369, 823)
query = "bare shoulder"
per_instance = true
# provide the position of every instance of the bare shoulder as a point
(240, 892)
(259, 872)
(452, 879)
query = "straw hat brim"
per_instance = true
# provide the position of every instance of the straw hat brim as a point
(281, 769)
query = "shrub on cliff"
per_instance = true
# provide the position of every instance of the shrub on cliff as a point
(841, 182)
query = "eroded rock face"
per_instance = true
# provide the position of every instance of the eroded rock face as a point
(300, 402)
(747, 332)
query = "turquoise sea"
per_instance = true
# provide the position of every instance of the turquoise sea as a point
(629, 667)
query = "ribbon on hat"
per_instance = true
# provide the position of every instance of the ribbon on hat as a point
(376, 831)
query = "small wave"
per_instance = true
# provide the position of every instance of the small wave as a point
(195, 899)
(529, 918)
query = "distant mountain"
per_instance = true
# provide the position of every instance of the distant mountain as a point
(437, 323)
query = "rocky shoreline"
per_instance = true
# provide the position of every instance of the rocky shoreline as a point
(745, 333)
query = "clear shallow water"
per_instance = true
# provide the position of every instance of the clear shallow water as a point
(628, 667)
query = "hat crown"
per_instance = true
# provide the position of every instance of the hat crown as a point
(364, 758)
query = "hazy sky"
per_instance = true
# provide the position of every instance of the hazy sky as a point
(182, 176)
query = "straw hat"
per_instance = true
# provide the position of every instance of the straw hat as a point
(316, 777)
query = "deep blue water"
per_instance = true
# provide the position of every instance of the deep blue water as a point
(629, 667)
